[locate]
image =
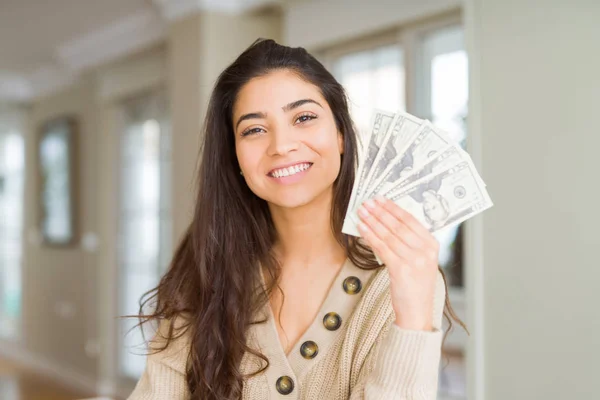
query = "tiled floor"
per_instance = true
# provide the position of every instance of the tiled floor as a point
(16, 383)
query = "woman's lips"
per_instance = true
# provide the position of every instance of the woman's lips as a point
(290, 174)
(289, 169)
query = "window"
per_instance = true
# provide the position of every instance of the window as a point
(443, 74)
(423, 70)
(373, 78)
(12, 177)
(144, 242)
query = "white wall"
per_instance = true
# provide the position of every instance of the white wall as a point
(319, 23)
(535, 80)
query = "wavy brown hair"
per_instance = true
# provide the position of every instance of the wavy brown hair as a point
(232, 233)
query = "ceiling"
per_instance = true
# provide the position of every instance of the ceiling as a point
(45, 44)
(31, 30)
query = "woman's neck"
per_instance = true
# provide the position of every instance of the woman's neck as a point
(305, 237)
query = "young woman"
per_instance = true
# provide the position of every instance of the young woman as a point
(265, 297)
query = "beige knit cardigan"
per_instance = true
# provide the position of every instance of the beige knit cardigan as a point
(368, 357)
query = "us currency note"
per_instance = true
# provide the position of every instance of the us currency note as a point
(440, 162)
(467, 157)
(380, 122)
(439, 200)
(445, 198)
(398, 137)
(427, 142)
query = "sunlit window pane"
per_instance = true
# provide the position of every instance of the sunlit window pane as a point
(144, 218)
(12, 178)
(449, 92)
(54, 159)
(373, 79)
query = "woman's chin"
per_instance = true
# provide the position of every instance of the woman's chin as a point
(290, 199)
(289, 203)
(295, 197)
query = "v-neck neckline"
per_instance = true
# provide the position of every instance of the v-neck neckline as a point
(271, 314)
(336, 300)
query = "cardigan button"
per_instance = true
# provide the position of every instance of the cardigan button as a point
(309, 349)
(332, 321)
(284, 385)
(352, 285)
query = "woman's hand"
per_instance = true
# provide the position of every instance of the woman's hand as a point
(410, 253)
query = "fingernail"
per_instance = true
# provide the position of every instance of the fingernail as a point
(363, 212)
(369, 204)
(362, 226)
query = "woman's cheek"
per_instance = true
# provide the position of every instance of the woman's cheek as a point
(324, 139)
(248, 156)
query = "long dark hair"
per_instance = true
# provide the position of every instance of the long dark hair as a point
(214, 279)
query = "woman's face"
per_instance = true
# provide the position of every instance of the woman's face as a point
(286, 139)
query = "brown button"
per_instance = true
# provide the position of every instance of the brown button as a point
(309, 349)
(352, 285)
(332, 321)
(284, 385)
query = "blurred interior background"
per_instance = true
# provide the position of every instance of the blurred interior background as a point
(101, 104)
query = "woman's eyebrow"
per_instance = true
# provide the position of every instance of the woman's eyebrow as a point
(288, 107)
(298, 103)
(254, 115)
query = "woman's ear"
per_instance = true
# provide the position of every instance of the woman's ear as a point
(341, 142)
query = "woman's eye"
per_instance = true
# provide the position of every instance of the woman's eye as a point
(251, 131)
(305, 117)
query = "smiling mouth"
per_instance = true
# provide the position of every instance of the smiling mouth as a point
(289, 171)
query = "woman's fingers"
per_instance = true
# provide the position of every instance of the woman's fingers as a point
(407, 219)
(394, 225)
(380, 237)
(405, 237)
(376, 244)
(389, 256)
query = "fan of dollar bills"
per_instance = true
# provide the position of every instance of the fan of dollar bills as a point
(420, 168)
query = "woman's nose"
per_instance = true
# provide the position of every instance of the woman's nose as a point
(282, 142)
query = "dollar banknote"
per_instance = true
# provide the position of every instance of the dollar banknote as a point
(445, 198)
(399, 136)
(440, 162)
(420, 168)
(424, 145)
(439, 200)
(380, 122)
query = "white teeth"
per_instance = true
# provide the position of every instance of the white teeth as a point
(290, 170)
